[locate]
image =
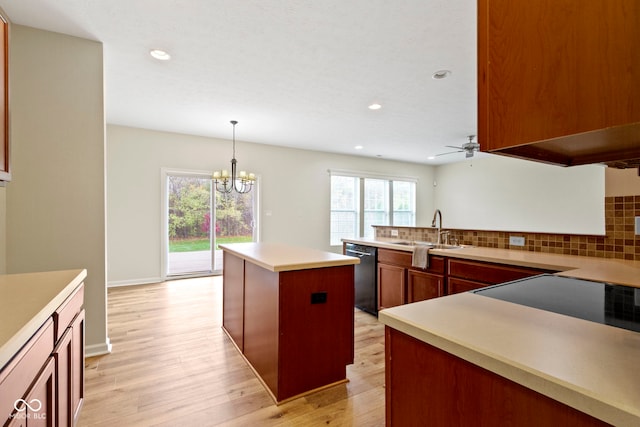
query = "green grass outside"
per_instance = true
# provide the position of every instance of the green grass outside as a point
(191, 245)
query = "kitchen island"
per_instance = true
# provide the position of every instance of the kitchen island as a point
(289, 311)
(467, 359)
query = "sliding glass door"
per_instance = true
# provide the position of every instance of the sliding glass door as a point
(198, 218)
(189, 224)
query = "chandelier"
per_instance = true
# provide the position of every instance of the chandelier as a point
(241, 183)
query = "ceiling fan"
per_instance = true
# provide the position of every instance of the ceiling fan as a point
(469, 148)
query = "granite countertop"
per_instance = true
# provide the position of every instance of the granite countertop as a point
(608, 270)
(278, 257)
(586, 365)
(27, 301)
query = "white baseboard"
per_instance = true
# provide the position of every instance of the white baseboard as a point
(98, 349)
(144, 281)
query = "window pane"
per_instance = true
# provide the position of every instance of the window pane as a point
(344, 208)
(376, 204)
(404, 201)
(346, 200)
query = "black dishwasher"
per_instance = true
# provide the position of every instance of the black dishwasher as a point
(366, 289)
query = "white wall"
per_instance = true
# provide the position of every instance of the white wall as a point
(505, 194)
(294, 188)
(55, 203)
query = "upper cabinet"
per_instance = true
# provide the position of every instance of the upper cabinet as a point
(5, 171)
(559, 80)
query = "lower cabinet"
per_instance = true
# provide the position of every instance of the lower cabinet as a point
(392, 285)
(43, 384)
(69, 358)
(469, 275)
(401, 283)
(422, 286)
(425, 385)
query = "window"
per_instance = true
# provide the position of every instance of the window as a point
(358, 202)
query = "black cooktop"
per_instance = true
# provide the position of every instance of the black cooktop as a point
(614, 305)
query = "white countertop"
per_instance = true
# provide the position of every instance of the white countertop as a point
(608, 270)
(282, 257)
(27, 301)
(591, 367)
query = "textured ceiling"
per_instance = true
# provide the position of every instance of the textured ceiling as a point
(297, 73)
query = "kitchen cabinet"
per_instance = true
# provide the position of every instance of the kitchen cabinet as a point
(431, 385)
(422, 286)
(559, 80)
(468, 275)
(293, 326)
(400, 283)
(5, 170)
(45, 379)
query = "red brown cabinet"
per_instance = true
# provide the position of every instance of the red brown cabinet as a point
(5, 170)
(295, 328)
(559, 80)
(401, 283)
(428, 386)
(467, 275)
(45, 379)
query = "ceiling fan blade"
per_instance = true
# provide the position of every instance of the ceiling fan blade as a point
(453, 146)
(450, 152)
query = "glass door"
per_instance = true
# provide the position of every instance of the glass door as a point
(189, 224)
(234, 220)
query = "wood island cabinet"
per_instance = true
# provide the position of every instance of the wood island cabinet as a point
(428, 386)
(400, 283)
(295, 328)
(559, 80)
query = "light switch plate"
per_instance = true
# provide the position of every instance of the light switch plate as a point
(394, 233)
(638, 226)
(516, 240)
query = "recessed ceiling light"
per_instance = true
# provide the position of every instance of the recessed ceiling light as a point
(160, 54)
(442, 74)
(358, 147)
(431, 157)
(375, 107)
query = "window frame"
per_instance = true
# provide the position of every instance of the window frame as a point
(360, 203)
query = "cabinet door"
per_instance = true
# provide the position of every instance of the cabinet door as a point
(41, 411)
(77, 365)
(422, 286)
(5, 171)
(63, 359)
(555, 68)
(457, 286)
(391, 286)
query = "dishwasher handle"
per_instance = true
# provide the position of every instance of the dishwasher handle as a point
(357, 253)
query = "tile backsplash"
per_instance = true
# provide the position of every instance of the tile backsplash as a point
(620, 240)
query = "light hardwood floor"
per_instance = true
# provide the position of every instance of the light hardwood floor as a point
(172, 365)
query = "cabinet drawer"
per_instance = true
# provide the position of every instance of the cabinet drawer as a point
(65, 314)
(18, 374)
(403, 259)
(489, 273)
(456, 286)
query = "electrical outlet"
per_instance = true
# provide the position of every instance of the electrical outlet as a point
(516, 240)
(394, 233)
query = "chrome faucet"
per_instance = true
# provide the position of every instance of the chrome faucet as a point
(437, 214)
